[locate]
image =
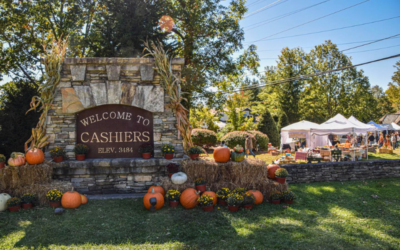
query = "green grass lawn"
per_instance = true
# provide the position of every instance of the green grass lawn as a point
(331, 215)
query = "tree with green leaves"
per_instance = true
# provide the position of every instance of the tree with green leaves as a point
(15, 125)
(267, 125)
(283, 121)
(393, 91)
(383, 106)
(203, 117)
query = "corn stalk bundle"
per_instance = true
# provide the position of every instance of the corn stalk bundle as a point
(52, 61)
(172, 85)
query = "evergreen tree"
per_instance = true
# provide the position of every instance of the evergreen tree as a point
(267, 125)
(16, 127)
(283, 121)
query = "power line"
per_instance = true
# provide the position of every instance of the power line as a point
(316, 19)
(374, 49)
(379, 40)
(271, 5)
(270, 20)
(253, 3)
(315, 74)
(322, 31)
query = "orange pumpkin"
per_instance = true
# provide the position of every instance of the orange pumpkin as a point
(34, 156)
(258, 195)
(212, 194)
(189, 198)
(222, 154)
(153, 194)
(84, 199)
(71, 199)
(157, 189)
(271, 170)
(16, 159)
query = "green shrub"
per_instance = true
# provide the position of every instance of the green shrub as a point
(238, 137)
(262, 139)
(201, 137)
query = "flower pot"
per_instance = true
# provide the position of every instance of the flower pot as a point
(2, 164)
(55, 204)
(146, 155)
(80, 157)
(288, 201)
(170, 175)
(222, 202)
(58, 158)
(248, 206)
(276, 201)
(201, 188)
(169, 156)
(14, 209)
(27, 206)
(194, 156)
(173, 203)
(208, 208)
(233, 208)
(280, 180)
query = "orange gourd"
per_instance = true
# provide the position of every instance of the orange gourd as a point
(34, 156)
(271, 170)
(157, 189)
(258, 195)
(71, 199)
(153, 194)
(84, 199)
(16, 159)
(212, 194)
(189, 198)
(222, 154)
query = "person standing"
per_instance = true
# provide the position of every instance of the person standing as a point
(394, 140)
(249, 147)
(381, 141)
(371, 139)
(330, 137)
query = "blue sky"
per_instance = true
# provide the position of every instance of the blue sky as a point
(379, 73)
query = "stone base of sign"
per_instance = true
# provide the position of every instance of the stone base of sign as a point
(119, 175)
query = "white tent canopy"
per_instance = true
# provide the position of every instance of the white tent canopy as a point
(391, 126)
(302, 129)
(361, 125)
(339, 125)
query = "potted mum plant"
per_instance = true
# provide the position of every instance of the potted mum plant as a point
(276, 197)
(280, 175)
(288, 197)
(222, 196)
(248, 200)
(234, 201)
(14, 204)
(239, 190)
(54, 197)
(58, 154)
(146, 150)
(173, 197)
(172, 168)
(200, 184)
(28, 200)
(194, 152)
(2, 161)
(80, 151)
(168, 151)
(206, 202)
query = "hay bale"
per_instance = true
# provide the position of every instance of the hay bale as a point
(40, 190)
(15, 177)
(250, 173)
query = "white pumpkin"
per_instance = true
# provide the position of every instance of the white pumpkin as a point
(3, 201)
(179, 178)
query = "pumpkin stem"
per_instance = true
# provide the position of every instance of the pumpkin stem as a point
(152, 191)
(72, 189)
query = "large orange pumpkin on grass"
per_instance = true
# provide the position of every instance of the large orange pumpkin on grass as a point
(222, 154)
(212, 194)
(157, 189)
(16, 159)
(189, 198)
(153, 194)
(34, 156)
(71, 199)
(84, 199)
(258, 195)
(271, 170)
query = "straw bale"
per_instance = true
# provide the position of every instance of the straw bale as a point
(15, 177)
(250, 173)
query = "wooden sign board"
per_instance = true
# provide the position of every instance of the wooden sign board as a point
(114, 131)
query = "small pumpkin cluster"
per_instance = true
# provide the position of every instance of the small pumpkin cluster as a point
(224, 154)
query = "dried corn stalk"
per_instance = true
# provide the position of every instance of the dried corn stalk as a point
(52, 61)
(172, 85)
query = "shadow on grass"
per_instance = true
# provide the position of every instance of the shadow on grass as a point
(326, 215)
